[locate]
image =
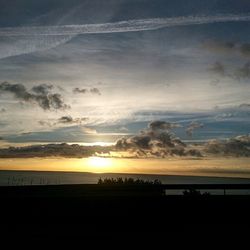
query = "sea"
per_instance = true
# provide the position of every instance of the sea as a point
(29, 178)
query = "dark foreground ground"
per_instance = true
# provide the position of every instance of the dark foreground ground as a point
(114, 208)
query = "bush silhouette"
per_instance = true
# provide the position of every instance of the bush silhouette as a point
(127, 181)
(194, 192)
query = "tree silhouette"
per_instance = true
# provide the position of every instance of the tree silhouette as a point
(127, 181)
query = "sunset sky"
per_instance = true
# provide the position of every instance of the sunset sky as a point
(93, 72)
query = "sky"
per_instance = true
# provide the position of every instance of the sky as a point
(91, 71)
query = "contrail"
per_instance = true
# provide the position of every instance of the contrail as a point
(15, 46)
(23, 40)
(123, 26)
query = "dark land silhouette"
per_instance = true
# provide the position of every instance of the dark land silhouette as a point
(117, 204)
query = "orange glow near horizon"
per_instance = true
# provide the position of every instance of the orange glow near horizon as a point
(234, 167)
(99, 164)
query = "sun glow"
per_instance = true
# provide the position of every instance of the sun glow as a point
(99, 164)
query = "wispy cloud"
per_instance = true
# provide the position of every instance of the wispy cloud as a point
(123, 26)
(35, 38)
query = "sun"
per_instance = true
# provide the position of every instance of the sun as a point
(99, 164)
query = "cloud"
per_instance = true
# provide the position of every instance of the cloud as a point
(218, 68)
(123, 129)
(244, 106)
(227, 47)
(22, 40)
(79, 91)
(53, 150)
(40, 95)
(219, 46)
(122, 26)
(42, 89)
(94, 91)
(238, 146)
(65, 119)
(156, 141)
(69, 120)
(192, 126)
(15, 46)
(243, 72)
(46, 123)
(215, 82)
(162, 125)
(3, 110)
(245, 49)
(88, 130)
(144, 145)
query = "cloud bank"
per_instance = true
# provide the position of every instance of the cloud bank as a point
(238, 146)
(156, 141)
(53, 150)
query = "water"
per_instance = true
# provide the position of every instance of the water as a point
(20, 178)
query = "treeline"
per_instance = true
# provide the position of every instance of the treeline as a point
(127, 181)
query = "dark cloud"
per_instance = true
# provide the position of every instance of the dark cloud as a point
(218, 68)
(42, 89)
(227, 47)
(243, 72)
(79, 91)
(41, 95)
(156, 141)
(53, 150)
(66, 120)
(159, 145)
(95, 91)
(219, 46)
(244, 106)
(245, 49)
(162, 125)
(238, 146)
(215, 82)
(192, 126)
(70, 120)
(46, 123)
